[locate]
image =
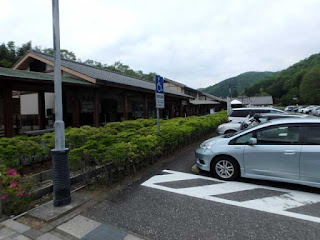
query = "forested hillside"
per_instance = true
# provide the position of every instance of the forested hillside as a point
(10, 54)
(237, 84)
(299, 83)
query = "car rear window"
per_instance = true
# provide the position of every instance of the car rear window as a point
(254, 111)
(312, 135)
(240, 113)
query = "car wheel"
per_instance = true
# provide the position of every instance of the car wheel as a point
(225, 168)
(229, 131)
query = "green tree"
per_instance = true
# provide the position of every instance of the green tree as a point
(310, 87)
(10, 54)
(23, 49)
(285, 85)
(65, 54)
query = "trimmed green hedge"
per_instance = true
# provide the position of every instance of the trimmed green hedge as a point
(115, 143)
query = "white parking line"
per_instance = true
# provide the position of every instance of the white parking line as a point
(276, 204)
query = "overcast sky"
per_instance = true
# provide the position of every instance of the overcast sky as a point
(198, 43)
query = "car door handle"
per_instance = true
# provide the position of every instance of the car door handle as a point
(289, 152)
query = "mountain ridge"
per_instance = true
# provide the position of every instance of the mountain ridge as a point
(299, 83)
(237, 84)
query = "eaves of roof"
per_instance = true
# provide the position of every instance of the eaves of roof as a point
(8, 72)
(106, 75)
(214, 97)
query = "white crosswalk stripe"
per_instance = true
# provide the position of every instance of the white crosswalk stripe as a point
(283, 201)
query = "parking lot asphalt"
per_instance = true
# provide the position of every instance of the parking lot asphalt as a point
(173, 203)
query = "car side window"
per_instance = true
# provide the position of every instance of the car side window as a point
(253, 112)
(243, 139)
(279, 135)
(239, 113)
(312, 135)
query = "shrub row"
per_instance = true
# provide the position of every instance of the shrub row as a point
(115, 143)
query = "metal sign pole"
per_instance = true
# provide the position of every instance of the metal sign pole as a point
(159, 94)
(0, 198)
(60, 160)
(158, 121)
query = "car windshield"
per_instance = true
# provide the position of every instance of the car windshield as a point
(255, 122)
(251, 125)
(229, 135)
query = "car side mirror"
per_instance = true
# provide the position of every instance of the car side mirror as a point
(252, 141)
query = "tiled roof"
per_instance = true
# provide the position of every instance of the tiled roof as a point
(203, 93)
(213, 97)
(8, 72)
(106, 75)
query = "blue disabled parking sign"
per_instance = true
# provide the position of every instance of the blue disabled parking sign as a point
(159, 92)
(159, 97)
(159, 84)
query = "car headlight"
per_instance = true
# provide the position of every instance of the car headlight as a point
(220, 127)
(207, 144)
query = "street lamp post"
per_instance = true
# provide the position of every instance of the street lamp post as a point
(60, 160)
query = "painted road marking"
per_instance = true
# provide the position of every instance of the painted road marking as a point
(281, 205)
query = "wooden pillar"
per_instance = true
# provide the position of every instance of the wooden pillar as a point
(75, 111)
(8, 111)
(96, 111)
(181, 109)
(125, 107)
(189, 109)
(172, 109)
(41, 110)
(145, 107)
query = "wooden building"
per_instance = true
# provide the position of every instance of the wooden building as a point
(91, 96)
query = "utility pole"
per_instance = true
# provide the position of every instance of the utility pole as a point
(229, 106)
(60, 160)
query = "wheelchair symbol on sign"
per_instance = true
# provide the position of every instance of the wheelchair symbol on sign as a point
(159, 87)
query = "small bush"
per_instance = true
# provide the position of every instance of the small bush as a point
(16, 192)
(114, 143)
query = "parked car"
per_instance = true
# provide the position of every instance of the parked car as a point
(317, 113)
(241, 114)
(314, 110)
(281, 150)
(297, 108)
(232, 127)
(307, 110)
(289, 108)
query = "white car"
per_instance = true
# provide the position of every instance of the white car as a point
(239, 115)
(315, 110)
(309, 110)
(301, 109)
(229, 127)
(306, 109)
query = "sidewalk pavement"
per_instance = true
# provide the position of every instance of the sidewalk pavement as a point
(67, 224)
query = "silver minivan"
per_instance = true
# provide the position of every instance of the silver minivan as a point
(285, 150)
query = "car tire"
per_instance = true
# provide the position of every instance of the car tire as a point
(229, 131)
(225, 168)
